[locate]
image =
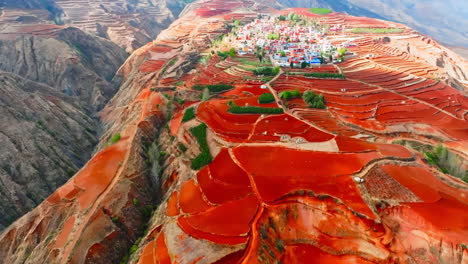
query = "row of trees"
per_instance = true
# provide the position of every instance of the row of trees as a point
(267, 71)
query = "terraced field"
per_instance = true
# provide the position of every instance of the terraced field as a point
(128, 24)
(284, 186)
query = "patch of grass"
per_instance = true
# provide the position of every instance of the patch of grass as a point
(189, 114)
(179, 83)
(115, 138)
(266, 98)
(377, 30)
(235, 109)
(205, 158)
(320, 11)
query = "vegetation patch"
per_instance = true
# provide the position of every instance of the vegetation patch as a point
(314, 100)
(231, 53)
(214, 88)
(289, 94)
(189, 114)
(115, 138)
(205, 158)
(441, 157)
(235, 109)
(322, 75)
(182, 147)
(377, 30)
(275, 35)
(320, 11)
(268, 71)
(266, 98)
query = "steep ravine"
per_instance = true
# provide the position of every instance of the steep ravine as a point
(52, 89)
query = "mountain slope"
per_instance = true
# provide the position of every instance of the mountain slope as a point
(130, 24)
(52, 88)
(435, 18)
(323, 184)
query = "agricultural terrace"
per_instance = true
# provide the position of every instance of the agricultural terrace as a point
(274, 146)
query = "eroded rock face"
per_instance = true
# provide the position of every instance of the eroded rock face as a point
(51, 89)
(73, 63)
(290, 187)
(45, 136)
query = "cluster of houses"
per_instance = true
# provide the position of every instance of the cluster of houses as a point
(289, 44)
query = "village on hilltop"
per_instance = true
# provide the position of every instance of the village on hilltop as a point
(292, 42)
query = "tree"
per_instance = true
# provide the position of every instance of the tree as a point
(283, 54)
(260, 57)
(232, 52)
(304, 64)
(292, 64)
(314, 100)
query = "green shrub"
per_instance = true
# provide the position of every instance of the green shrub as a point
(320, 11)
(182, 147)
(205, 158)
(115, 138)
(272, 36)
(133, 249)
(269, 71)
(324, 75)
(314, 100)
(232, 52)
(180, 101)
(235, 109)
(266, 98)
(223, 55)
(289, 94)
(189, 114)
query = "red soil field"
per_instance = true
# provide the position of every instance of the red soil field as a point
(424, 184)
(279, 171)
(218, 192)
(175, 123)
(191, 200)
(172, 205)
(451, 217)
(286, 124)
(156, 252)
(230, 219)
(152, 65)
(304, 253)
(222, 240)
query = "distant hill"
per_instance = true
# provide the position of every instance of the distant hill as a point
(445, 20)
